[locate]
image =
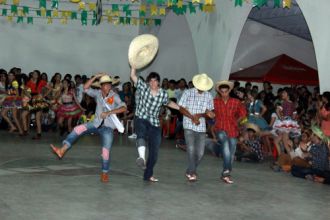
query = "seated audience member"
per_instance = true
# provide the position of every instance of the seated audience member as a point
(249, 144)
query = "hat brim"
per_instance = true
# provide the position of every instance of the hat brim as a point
(224, 82)
(98, 84)
(202, 86)
(253, 127)
(142, 50)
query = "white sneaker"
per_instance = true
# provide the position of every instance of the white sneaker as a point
(133, 136)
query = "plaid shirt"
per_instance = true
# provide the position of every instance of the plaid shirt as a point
(227, 114)
(320, 155)
(196, 103)
(148, 106)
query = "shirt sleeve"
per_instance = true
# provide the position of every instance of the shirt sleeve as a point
(210, 105)
(91, 92)
(140, 85)
(118, 102)
(241, 110)
(183, 100)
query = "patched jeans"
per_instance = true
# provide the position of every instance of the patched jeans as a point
(106, 134)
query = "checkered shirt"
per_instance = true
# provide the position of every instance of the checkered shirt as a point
(148, 106)
(196, 103)
(227, 114)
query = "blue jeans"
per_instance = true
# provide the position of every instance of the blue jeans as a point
(228, 151)
(106, 134)
(149, 136)
(195, 149)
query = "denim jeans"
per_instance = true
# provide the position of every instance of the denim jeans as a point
(195, 149)
(148, 136)
(228, 151)
(106, 134)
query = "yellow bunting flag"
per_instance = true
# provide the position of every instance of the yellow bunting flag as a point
(3, 2)
(162, 11)
(208, 2)
(195, 1)
(108, 12)
(16, 2)
(43, 12)
(64, 21)
(55, 13)
(208, 8)
(169, 3)
(143, 8)
(10, 18)
(153, 10)
(92, 6)
(81, 6)
(110, 19)
(180, 4)
(116, 22)
(134, 21)
(49, 20)
(287, 3)
(20, 12)
(115, 13)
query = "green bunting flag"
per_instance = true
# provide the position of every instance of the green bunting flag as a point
(42, 4)
(55, 4)
(26, 10)
(238, 2)
(13, 9)
(49, 13)
(277, 3)
(4, 12)
(84, 15)
(20, 19)
(30, 20)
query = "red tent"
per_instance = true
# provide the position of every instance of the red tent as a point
(279, 70)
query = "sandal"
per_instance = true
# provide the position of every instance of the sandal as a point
(227, 180)
(57, 151)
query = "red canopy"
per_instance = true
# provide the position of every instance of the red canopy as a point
(279, 70)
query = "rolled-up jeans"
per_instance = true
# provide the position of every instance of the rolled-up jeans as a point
(106, 134)
(195, 149)
(228, 145)
(148, 135)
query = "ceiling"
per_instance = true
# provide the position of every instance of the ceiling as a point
(291, 20)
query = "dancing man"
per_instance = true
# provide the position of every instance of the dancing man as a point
(199, 102)
(108, 105)
(147, 125)
(228, 113)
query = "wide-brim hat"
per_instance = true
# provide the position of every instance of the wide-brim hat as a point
(253, 127)
(224, 82)
(202, 82)
(105, 79)
(142, 50)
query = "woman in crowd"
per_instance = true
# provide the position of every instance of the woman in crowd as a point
(69, 108)
(12, 103)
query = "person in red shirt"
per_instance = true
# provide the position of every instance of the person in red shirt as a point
(228, 113)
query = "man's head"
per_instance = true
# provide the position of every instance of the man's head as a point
(153, 80)
(224, 87)
(106, 84)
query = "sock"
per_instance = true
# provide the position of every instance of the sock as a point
(142, 152)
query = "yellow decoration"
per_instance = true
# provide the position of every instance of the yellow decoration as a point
(43, 12)
(110, 19)
(14, 83)
(287, 3)
(75, 1)
(116, 13)
(180, 4)
(16, 2)
(143, 8)
(208, 8)
(108, 12)
(92, 6)
(3, 2)
(153, 10)
(82, 6)
(208, 2)
(55, 13)
(20, 12)
(116, 22)
(141, 20)
(134, 21)
(162, 11)
(49, 20)
(64, 21)
(169, 3)
(195, 1)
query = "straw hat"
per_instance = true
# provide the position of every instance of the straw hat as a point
(142, 50)
(105, 79)
(224, 82)
(253, 127)
(202, 82)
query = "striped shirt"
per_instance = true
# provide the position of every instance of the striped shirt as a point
(196, 103)
(148, 106)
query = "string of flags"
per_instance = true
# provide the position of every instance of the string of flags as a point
(261, 3)
(125, 12)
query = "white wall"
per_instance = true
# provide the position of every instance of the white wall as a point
(176, 57)
(259, 42)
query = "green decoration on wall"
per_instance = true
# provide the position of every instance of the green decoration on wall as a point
(20, 19)
(38, 12)
(158, 22)
(115, 7)
(83, 18)
(13, 9)
(74, 15)
(26, 10)
(277, 3)
(4, 12)
(42, 4)
(30, 20)
(238, 2)
(142, 13)
(55, 4)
